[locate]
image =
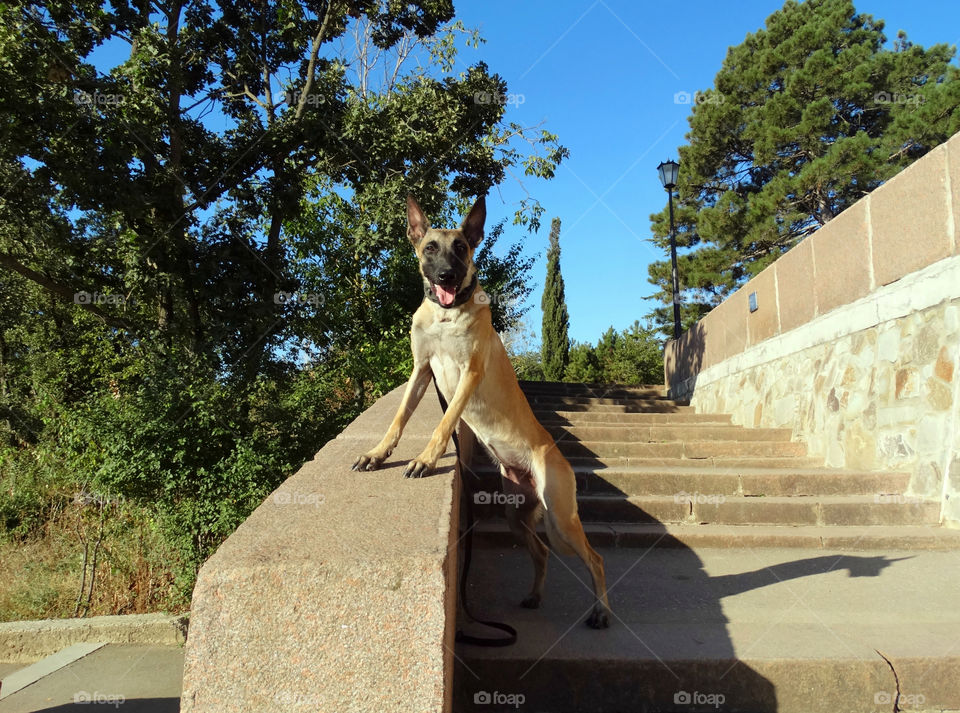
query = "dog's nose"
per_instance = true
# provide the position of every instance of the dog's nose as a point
(446, 276)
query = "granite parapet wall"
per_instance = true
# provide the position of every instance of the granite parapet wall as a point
(338, 592)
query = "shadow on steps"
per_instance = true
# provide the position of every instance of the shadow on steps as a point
(668, 647)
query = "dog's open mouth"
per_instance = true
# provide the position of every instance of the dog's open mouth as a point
(445, 294)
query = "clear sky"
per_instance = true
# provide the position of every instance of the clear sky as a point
(603, 75)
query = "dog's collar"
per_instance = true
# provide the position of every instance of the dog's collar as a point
(463, 294)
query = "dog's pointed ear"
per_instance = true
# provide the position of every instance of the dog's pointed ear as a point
(417, 223)
(472, 225)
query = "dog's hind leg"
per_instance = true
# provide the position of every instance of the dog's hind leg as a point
(522, 516)
(565, 530)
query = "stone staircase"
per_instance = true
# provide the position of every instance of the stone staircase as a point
(650, 470)
(696, 517)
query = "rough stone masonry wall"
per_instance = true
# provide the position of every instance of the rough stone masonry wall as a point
(854, 342)
(880, 398)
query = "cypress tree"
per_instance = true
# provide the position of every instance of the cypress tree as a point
(555, 344)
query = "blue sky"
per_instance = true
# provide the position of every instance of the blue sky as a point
(603, 75)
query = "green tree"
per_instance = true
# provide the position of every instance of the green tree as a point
(806, 116)
(555, 342)
(528, 366)
(633, 356)
(583, 367)
(203, 265)
(520, 341)
(637, 357)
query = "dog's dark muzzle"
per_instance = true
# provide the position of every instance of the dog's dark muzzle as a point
(448, 293)
(445, 279)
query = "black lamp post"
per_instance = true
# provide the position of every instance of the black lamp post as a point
(668, 177)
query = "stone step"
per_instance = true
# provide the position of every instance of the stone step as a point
(681, 449)
(733, 481)
(723, 463)
(696, 507)
(787, 630)
(666, 433)
(543, 409)
(566, 388)
(639, 394)
(551, 401)
(710, 508)
(848, 538)
(586, 418)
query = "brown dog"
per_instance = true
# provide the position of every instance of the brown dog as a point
(453, 339)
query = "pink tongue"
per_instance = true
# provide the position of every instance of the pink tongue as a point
(445, 295)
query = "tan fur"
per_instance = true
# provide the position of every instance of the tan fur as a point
(459, 346)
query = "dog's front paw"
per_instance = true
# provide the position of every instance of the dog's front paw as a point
(417, 468)
(368, 461)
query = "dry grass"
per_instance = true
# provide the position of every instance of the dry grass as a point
(45, 570)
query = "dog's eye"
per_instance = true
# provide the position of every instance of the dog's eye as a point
(430, 248)
(461, 248)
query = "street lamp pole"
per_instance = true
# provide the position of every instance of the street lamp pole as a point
(668, 176)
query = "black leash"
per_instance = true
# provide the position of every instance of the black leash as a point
(466, 498)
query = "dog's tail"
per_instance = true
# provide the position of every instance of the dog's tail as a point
(555, 534)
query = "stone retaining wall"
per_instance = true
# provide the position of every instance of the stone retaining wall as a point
(883, 397)
(30, 641)
(854, 340)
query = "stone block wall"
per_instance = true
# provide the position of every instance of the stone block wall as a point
(339, 592)
(854, 342)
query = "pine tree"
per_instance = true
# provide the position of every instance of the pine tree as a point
(633, 356)
(555, 344)
(806, 116)
(584, 365)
